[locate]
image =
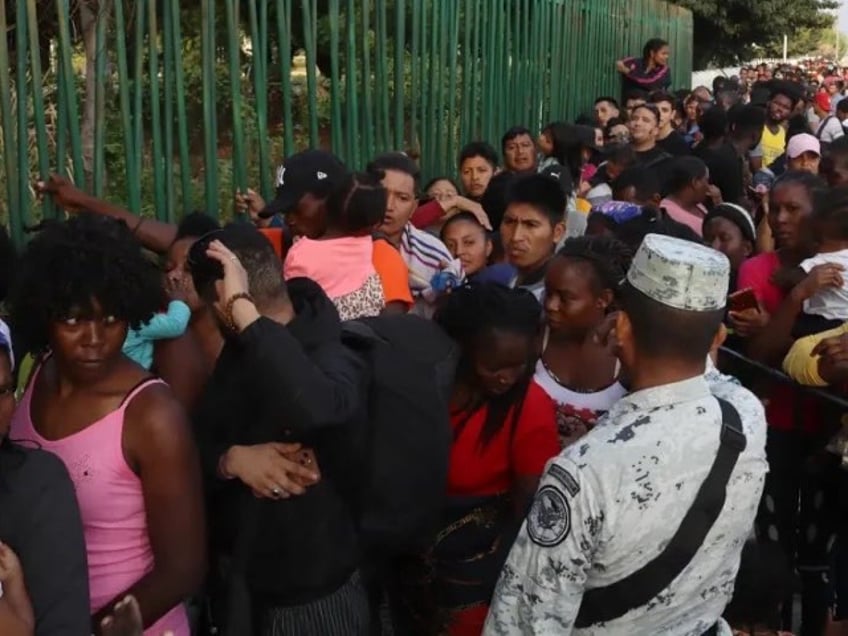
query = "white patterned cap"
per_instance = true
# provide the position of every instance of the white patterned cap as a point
(680, 274)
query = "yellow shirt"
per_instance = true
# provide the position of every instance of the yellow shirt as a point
(800, 365)
(773, 145)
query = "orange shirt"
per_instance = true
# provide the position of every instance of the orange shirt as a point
(275, 237)
(393, 272)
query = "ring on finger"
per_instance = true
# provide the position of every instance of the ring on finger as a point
(276, 492)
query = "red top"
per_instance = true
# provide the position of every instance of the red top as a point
(490, 470)
(756, 273)
(428, 214)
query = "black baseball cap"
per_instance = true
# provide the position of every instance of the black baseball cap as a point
(310, 171)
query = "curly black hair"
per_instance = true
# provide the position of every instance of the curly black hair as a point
(69, 265)
(608, 257)
(471, 312)
(196, 224)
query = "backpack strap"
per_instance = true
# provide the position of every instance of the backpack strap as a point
(822, 125)
(604, 604)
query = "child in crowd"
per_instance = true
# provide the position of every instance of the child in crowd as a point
(340, 261)
(16, 615)
(824, 290)
(165, 325)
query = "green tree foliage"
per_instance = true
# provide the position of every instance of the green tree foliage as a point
(727, 31)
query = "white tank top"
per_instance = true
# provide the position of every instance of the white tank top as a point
(577, 412)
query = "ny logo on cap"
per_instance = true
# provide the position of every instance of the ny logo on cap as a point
(321, 175)
(281, 174)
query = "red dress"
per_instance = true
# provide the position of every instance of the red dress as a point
(521, 448)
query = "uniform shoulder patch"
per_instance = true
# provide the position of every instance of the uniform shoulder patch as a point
(549, 521)
(565, 478)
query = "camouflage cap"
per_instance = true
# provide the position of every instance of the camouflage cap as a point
(680, 274)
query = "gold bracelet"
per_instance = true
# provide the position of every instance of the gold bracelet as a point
(228, 309)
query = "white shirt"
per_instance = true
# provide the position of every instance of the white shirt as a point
(623, 490)
(830, 129)
(831, 303)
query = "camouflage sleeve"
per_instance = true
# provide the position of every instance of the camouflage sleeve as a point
(542, 583)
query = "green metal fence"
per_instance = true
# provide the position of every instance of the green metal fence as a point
(196, 99)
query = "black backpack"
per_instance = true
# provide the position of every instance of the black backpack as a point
(412, 364)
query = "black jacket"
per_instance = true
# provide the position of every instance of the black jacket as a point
(40, 521)
(294, 383)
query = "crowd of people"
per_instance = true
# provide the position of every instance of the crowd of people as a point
(493, 403)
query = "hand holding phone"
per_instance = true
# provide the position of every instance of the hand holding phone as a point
(743, 299)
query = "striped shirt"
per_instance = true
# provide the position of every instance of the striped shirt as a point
(426, 256)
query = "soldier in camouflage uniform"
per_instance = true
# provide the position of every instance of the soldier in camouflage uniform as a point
(609, 505)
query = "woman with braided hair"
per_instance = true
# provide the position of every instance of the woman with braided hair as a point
(580, 375)
(504, 434)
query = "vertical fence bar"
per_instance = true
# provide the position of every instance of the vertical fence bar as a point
(474, 105)
(61, 124)
(453, 69)
(23, 202)
(138, 93)
(336, 132)
(210, 136)
(400, 77)
(441, 16)
(259, 46)
(367, 124)
(155, 113)
(130, 169)
(182, 120)
(168, 46)
(514, 59)
(426, 82)
(434, 89)
(382, 78)
(10, 158)
(47, 208)
(234, 49)
(99, 166)
(465, 8)
(415, 63)
(309, 18)
(284, 48)
(489, 66)
(70, 89)
(537, 51)
(354, 147)
(547, 111)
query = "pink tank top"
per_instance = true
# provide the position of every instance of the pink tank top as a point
(111, 504)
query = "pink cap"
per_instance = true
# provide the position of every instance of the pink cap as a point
(799, 144)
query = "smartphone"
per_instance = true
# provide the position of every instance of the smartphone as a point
(742, 300)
